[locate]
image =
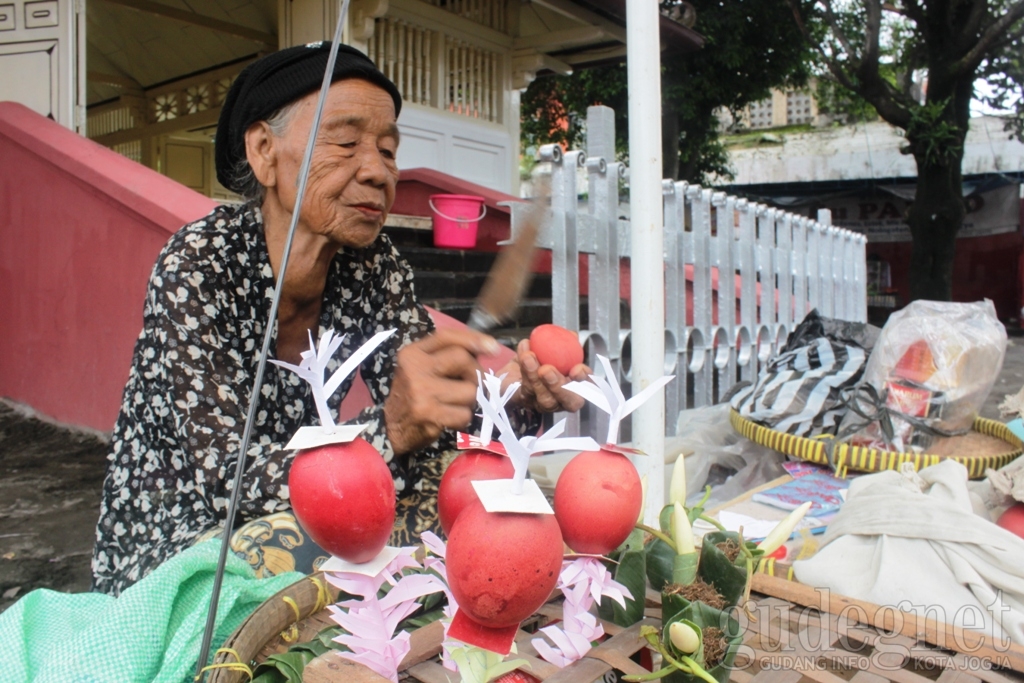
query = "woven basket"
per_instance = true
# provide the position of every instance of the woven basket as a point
(276, 624)
(845, 457)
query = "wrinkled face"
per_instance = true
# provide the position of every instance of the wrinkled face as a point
(353, 173)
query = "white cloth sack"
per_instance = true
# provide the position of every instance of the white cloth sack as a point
(913, 541)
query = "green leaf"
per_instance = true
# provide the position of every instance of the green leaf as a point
(421, 620)
(270, 676)
(694, 513)
(288, 665)
(715, 568)
(684, 568)
(631, 573)
(327, 636)
(635, 541)
(702, 616)
(660, 559)
(671, 605)
(665, 519)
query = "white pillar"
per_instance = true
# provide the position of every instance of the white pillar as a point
(645, 201)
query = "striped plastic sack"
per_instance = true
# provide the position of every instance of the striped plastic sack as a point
(798, 390)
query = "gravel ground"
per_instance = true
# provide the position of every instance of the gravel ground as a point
(50, 480)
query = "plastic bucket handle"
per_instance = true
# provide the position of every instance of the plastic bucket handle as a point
(430, 201)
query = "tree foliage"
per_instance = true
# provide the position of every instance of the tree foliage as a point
(751, 46)
(872, 49)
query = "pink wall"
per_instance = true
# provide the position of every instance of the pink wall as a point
(80, 228)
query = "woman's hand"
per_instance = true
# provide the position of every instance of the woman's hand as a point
(434, 387)
(541, 389)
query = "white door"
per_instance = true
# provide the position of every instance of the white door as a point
(42, 65)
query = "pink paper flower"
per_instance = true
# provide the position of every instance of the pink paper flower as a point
(371, 622)
(583, 581)
(436, 546)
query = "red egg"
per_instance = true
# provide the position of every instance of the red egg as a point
(557, 346)
(1013, 519)
(456, 489)
(597, 501)
(502, 566)
(344, 497)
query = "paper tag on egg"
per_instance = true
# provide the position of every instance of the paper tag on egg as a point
(314, 437)
(621, 450)
(497, 496)
(371, 568)
(465, 442)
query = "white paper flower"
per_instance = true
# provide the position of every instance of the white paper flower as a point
(314, 365)
(520, 449)
(606, 394)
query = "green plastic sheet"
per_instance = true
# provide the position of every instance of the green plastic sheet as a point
(152, 632)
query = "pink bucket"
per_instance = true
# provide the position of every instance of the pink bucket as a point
(456, 218)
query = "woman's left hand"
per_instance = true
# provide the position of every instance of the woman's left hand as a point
(541, 386)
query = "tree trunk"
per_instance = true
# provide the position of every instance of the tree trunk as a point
(935, 218)
(936, 139)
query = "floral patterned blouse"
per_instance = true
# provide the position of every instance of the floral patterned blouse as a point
(176, 440)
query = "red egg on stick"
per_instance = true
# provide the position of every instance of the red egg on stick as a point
(597, 501)
(556, 346)
(455, 491)
(344, 498)
(502, 566)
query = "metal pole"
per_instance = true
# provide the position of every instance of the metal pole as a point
(211, 617)
(645, 200)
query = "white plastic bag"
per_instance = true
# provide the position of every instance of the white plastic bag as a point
(931, 369)
(709, 434)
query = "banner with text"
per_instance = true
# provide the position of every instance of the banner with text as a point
(880, 214)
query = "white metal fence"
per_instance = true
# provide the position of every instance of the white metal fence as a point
(739, 276)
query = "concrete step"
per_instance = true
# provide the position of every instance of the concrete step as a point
(434, 284)
(447, 260)
(532, 312)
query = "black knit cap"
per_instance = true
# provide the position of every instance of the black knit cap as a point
(278, 79)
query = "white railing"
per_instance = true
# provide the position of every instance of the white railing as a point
(437, 70)
(405, 54)
(490, 13)
(472, 80)
(739, 276)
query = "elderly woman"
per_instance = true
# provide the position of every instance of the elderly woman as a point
(175, 445)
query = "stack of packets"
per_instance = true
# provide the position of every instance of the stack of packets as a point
(758, 515)
(932, 369)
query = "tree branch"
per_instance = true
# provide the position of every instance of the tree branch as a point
(969, 62)
(1006, 41)
(872, 29)
(974, 19)
(833, 23)
(891, 104)
(833, 66)
(912, 10)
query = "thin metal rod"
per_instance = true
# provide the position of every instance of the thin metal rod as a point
(218, 579)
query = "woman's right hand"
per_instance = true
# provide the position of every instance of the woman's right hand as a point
(434, 387)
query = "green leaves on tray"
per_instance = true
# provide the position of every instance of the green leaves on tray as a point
(630, 572)
(727, 576)
(703, 616)
(287, 667)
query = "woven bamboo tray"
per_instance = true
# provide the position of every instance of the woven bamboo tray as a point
(792, 634)
(273, 627)
(1005, 445)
